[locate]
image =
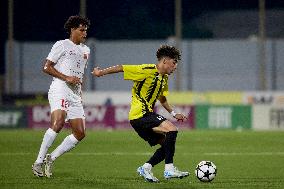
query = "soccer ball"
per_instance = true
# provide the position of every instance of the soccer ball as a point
(206, 171)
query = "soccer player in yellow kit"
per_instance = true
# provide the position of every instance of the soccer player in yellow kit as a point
(150, 85)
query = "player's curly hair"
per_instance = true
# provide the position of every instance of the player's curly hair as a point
(168, 51)
(75, 22)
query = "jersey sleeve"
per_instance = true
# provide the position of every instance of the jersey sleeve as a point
(56, 52)
(134, 72)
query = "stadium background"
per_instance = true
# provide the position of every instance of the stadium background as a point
(232, 55)
(230, 84)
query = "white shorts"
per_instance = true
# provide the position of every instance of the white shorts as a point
(70, 103)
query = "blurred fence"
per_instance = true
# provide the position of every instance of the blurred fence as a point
(206, 65)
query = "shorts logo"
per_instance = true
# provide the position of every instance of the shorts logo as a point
(64, 103)
(160, 117)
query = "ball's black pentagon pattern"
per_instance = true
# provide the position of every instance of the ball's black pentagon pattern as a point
(206, 171)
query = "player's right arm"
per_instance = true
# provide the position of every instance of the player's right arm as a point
(49, 69)
(131, 72)
(110, 70)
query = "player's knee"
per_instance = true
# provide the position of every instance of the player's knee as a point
(57, 125)
(168, 126)
(80, 135)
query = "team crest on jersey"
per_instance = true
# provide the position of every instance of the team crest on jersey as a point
(86, 56)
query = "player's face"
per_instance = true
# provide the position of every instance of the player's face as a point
(80, 34)
(170, 65)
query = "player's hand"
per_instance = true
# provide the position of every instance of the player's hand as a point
(73, 80)
(180, 117)
(97, 72)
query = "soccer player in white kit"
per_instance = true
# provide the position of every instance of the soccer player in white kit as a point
(66, 62)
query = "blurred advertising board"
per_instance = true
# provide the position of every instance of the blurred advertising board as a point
(212, 97)
(223, 117)
(107, 116)
(193, 98)
(259, 97)
(38, 116)
(112, 116)
(176, 98)
(12, 117)
(96, 117)
(267, 117)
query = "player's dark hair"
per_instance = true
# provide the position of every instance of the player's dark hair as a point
(168, 51)
(75, 22)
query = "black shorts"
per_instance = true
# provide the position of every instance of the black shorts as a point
(143, 126)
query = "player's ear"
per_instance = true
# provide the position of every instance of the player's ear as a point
(72, 29)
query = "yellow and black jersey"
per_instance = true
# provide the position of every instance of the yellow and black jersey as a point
(148, 86)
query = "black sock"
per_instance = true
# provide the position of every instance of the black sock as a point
(158, 156)
(169, 145)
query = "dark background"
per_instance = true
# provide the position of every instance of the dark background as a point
(43, 20)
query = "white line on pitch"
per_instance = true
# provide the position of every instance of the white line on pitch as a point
(245, 153)
(150, 153)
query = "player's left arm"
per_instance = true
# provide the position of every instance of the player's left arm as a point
(110, 70)
(165, 104)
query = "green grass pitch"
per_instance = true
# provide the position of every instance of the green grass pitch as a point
(108, 159)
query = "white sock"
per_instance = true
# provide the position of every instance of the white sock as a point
(47, 141)
(147, 166)
(68, 143)
(169, 167)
